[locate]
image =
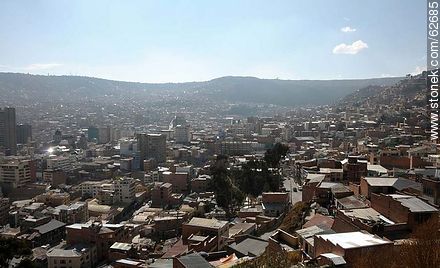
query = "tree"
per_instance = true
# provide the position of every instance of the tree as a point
(10, 248)
(254, 177)
(227, 194)
(273, 156)
(423, 249)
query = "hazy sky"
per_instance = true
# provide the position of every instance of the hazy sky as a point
(172, 41)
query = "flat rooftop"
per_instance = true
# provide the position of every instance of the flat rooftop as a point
(354, 239)
(379, 181)
(207, 223)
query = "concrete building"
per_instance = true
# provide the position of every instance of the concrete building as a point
(93, 133)
(75, 213)
(161, 194)
(124, 189)
(179, 180)
(103, 236)
(152, 146)
(15, 174)
(24, 133)
(8, 132)
(182, 134)
(60, 163)
(77, 256)
(198, 231)
(114, 191)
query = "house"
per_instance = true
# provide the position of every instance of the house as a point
(281, 241)
(199, 231)
(350, 245)
(275, 203)
(242, 228)
(354, 168)
(350, 202)
(96, 233)
(403, 208)
(387, 185)
(431, 189)
(190, 261)
(306, 239)
(49, 233)
(247, 245)
(370, 220)
(311, 182)
(76, 256)
(325, 222)
(121, 250)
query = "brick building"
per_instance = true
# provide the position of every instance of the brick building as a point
(403, 208)
(351, 245)
(215, 230)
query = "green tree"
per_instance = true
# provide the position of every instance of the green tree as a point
(254, 177)
(10, 248)
(273, 156)
(227, 194)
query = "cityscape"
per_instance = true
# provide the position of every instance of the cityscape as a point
(124, 168)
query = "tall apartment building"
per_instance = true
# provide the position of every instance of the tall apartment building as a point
(182, 134)
(124, 189)
(105, 134)
(152, 146)
(15, 174)
(92, 133)
(8, 134)
(24, 133)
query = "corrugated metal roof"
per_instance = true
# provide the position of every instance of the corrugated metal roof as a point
(121, 246)
(208, 223)
(413, 203)
(354, 239)
(379, 181)
(336, 259)
(50, 226)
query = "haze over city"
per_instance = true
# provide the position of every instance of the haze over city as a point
(181, 41)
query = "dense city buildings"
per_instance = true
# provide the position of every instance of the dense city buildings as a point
(211, 184)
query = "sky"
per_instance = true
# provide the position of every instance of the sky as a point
(198, 40)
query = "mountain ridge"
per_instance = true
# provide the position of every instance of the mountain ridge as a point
(17, 87)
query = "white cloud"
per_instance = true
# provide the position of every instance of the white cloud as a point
(418, 70)
(41, 66)
(352, 49)
(348, 29)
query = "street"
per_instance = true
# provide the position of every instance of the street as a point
(290, 184)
